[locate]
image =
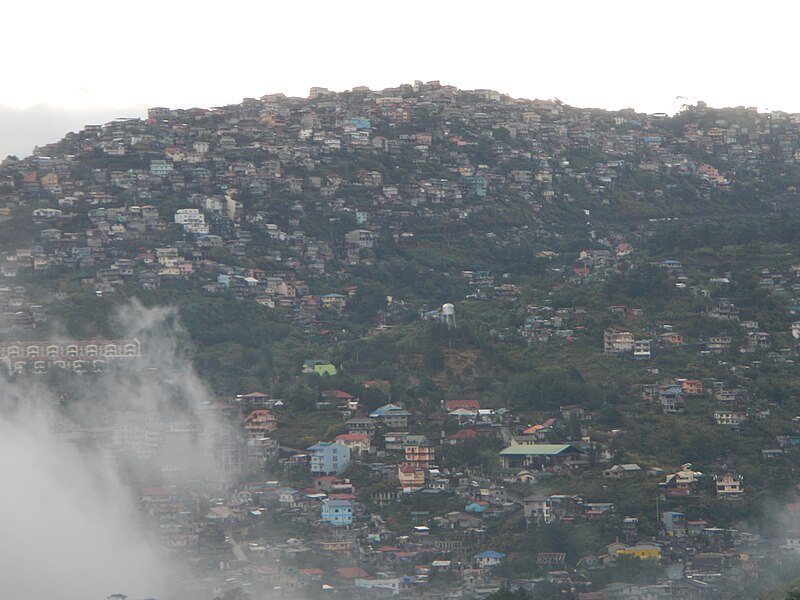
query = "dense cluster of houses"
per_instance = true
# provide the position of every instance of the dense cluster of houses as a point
(306, 189)
(183, 194)
(342, 543)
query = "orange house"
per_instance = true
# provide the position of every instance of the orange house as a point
(693, 387)
(674, 338)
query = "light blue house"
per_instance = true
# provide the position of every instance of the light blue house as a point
(339, 513)
(489, 558)
(476, 507)
(360, 123)
(329, 458)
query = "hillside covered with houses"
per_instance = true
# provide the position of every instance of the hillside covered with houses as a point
(459, 342)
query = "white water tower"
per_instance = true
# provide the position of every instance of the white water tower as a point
(449, 314)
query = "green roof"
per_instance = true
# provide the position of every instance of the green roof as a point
(537, 449)
(415, 440)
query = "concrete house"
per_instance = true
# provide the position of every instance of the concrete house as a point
(329, 458)
(337, 512)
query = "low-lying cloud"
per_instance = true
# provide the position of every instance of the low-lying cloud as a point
(70, 528)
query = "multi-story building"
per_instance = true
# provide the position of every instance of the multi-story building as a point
(411, 478)
(643, 349)
(537, 509)
(617, 342)
(730, 486)
(361, 238)
(329, 458)
(357, 442)
(74, 355)
(337, 512)
(361, 425)
(693, 387)
(419, 452)
(729, 417)
(259, 423)
(192, 220)
(719, 343)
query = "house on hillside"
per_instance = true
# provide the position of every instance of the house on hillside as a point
(259, 423)
(729, 486)
(620, 471)
(362, 425)
(489, 558)
(540, 456)
(391, 415)
(358, 443)
(328, 458)
(337, 512)
(470, 405)
(410, 478)
(617, 342)
(418, 452)
(319, 367)
(683, 483)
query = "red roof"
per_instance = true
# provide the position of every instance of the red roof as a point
(337, 394)
(533, 429)
(352, 572)
(352, 437)
(342, 496)
(262, 412)
(592, 596)
(464, 434)
(464, 404)
(312, 571)
(387, 549)
(370, 383)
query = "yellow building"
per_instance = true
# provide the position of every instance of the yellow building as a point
(411, 478)
(49, 180)
(642, 551)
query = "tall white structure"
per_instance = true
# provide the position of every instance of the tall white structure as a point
(449, 314)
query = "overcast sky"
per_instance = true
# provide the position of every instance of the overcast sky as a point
(71, 63)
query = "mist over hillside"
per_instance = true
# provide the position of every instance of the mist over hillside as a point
(420, 339)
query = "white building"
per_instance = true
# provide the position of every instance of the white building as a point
(192, 220)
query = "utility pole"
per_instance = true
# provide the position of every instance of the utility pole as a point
(658, 514)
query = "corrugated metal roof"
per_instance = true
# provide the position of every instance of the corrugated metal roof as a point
(537, 449)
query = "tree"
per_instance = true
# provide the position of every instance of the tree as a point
(236, 593)
(507, 594)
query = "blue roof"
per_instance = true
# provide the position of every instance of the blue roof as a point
(319, 446)
(490, 554)
(381, 411)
